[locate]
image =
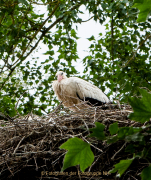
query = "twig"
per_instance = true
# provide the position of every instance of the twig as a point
(92, 145)
(94, 163)
(118, 151)
(58, 158)
(133, 177)
(18, 102)
(148, 36)
(18, 145)
(57, 108)
(86, 125)
(95, 115)
(36, 164)
(9, 169)
(88, 19)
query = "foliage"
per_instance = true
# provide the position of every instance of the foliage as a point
(122, 166)
(141, 107)
(79, 153)
(146, 173)
(118, 60)
(136, 138)
(98, 131)
(122, 55)
(22, 29)
(144, 7)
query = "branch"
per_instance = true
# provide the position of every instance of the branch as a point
(112, 36)
(148, 36)
(42, 35)
(40, 27)
(2, 18)
(45, 31)
(118, 151)
(44, 3)
(88, 19)
(11, 48)
(15, 64)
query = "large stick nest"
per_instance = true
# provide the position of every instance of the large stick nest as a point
(29, 145)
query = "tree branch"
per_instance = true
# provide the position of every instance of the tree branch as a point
(88, 19)
(40, 27)
(36, 44)
(148, 36)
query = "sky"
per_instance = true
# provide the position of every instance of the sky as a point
(86, 30)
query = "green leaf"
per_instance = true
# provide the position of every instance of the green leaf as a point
(91, 38)
(79, 153)
(146, 173)
(125, 131)
(113, 128)
(73, 33)
(141, 107)
(135, 137)
(112, 139)
(144, 7)
(49, 53)
(98, 131)
(122, 166)
(23, 2)
(130, 148)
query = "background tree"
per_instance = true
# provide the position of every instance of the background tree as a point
(120, 60)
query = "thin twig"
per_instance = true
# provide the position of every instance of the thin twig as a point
(92, 144)
(18, 144)
(18, 102)
(88, 19)
(94, 163)
(58, 158)
(148, 36)
(118, 151)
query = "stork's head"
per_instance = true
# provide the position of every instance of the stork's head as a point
(60, 75)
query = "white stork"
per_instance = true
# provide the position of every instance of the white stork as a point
(72, 91)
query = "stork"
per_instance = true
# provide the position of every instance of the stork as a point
(72, 91)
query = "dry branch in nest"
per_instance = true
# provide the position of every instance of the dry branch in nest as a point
(29, 145)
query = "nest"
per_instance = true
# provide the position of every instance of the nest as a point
(29, 145)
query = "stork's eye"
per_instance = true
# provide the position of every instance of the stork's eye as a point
(61, 73)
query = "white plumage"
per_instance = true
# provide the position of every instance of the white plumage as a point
(72, 91)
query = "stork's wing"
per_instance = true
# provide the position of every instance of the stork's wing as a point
(88, 92)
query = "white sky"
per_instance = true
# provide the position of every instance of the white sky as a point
(86, 30)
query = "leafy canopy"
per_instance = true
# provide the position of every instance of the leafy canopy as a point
(117, 59)
(144, 7)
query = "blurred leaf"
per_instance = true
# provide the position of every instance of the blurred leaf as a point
(146, 173)
(98, 131)
(144, 7)
(23, 2)
(113, 128)
(135, 137)
(141, 107)
(122, 166)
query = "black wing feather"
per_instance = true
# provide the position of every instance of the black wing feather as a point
(91, 101)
